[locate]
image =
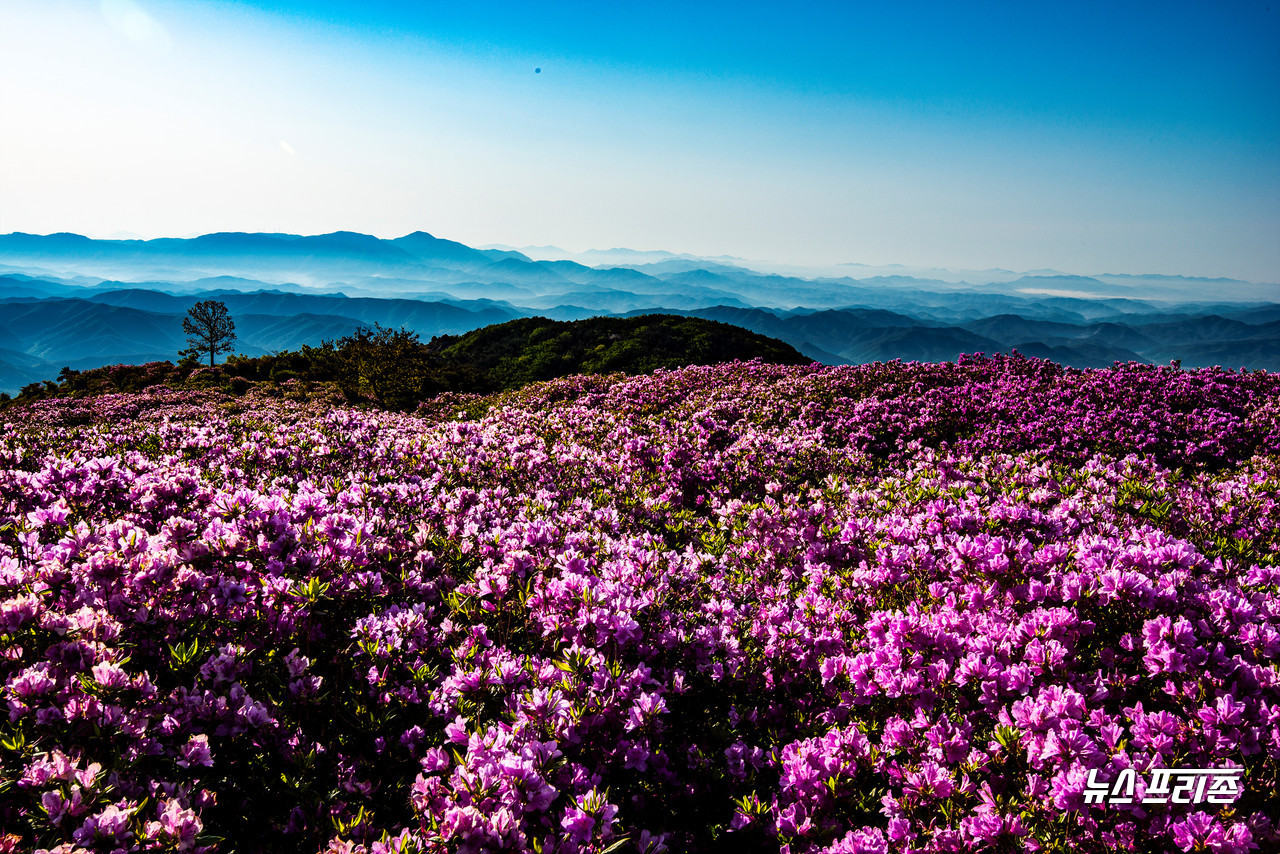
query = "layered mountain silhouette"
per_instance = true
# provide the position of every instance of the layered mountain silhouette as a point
(68, 300)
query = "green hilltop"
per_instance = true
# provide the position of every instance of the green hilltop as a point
(394, 369)
(521, 351)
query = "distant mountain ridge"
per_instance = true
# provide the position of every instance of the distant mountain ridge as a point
(68, 300)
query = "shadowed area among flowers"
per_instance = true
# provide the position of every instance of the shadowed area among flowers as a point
(893, 607)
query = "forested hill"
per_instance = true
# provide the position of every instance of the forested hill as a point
(394, 369)
(534, 348)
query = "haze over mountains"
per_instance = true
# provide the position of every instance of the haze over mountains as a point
(68, 300)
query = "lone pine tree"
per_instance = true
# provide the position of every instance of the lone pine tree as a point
(209, 329)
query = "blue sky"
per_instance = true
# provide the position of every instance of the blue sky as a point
(1085, 137)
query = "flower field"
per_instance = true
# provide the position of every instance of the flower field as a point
(887, 608)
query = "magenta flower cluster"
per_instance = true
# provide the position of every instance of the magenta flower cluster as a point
(888, 608)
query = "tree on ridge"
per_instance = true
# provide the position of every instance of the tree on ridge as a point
(209, 329)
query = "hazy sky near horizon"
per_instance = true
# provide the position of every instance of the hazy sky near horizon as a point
(1084, 137)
